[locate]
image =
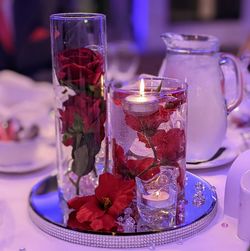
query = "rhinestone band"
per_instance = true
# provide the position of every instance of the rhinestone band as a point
(126, 241)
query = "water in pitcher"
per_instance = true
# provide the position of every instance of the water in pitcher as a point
(196, 59)
(206, 125)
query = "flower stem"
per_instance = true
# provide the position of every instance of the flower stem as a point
(151, 145)
(95, 171)
(72, 181)
(154, 164)
(77, 185)
(149, 141)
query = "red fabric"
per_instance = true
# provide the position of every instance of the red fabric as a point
(5, 31)
(39, 34)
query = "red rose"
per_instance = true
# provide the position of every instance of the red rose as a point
(119, 161)
(148, 124)
(170, 145)
(130, 168)
(83, 113)
(146, 167)
(79, 67)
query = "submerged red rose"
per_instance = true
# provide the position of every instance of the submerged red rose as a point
(99, 212)
(148, 124)
(80, 67)
(130, 168)
(170, 145)
(144, 168)
(119, 161)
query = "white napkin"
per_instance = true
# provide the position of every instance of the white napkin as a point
(244, 207)
(232, 189)
(28, 101)
(23, 98)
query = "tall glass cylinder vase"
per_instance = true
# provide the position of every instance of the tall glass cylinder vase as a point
(78, 43)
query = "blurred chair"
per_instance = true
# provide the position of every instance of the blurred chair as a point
(123, 60)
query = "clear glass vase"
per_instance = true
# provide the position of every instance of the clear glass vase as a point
(148, 144)
(78, 43)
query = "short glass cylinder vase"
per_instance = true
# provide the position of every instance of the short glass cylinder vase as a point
(157, 198)
(78, 43)
(148, 143)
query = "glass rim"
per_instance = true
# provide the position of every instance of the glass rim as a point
(191, 43)
(77, 16)
(181, 86)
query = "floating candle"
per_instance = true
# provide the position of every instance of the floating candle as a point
(141, 104)
(156, 199)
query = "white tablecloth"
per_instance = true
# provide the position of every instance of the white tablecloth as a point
(18, 231)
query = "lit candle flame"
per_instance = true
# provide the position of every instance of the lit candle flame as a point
(142, 87)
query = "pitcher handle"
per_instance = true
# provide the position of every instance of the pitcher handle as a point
(239, 79)
(245, 59)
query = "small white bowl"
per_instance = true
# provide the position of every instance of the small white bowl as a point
(18, 152)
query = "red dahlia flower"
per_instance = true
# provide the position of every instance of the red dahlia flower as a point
(99, 212)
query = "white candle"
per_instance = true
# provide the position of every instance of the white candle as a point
(156, 199)
(141, 104)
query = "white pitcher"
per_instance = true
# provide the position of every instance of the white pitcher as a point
(196, 60)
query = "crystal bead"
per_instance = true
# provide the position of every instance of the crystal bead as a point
(128, 211)
(199, 186)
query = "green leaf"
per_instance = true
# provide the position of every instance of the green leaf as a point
(169, 105)
(84, 152)
(80, 165)
(71, 86)
(158, 89)
(91, 88)
(78, 124)
(66, 136)
(93, 145)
